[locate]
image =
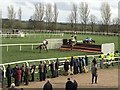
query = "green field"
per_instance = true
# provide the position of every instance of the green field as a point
(27, 54)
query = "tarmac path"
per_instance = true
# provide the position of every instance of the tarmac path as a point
(107, 78)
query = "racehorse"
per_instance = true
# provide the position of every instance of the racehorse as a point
(42, 46)
(72, 43)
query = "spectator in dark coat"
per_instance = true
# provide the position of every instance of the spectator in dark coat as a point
(80, 64)
(86, 60)
(66, 67)
(94, 61)
(94, 73)
(69, 85)
(48, 86)
(1, 77)
(15, 75)
(75, 66)
(52, 68)
(26, 75)
(57, 63)
(8, 75)
(75, 85)
(71, 64)
(22, 73)
(45, 70)
(32, 72)
(42, 71)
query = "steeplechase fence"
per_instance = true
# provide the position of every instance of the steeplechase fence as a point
(52, 44)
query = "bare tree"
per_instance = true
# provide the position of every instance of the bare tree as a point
(39, 12)
(84, 13)
(11, 16)
(92, 21)
(115, 24)
(55, 12)
(106, 14)
(38, 15)
(49, 15)
(74, 14)
(19, 16)
(71, 20)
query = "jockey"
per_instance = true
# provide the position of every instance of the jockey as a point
(45, 42)
(90, 39)
(87, 39)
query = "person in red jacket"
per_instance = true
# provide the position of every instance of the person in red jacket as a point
(19, 75)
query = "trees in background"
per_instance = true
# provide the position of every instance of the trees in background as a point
(38, 16)
(71, 20)
(93, 20)
(74, 14)
(19, 17)
(55, 15)
(106, 15)
(48, 16)
(84, 14)
(11, 16)
(115, 24)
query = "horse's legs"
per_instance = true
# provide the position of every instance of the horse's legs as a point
(46, 48)
(40, 49)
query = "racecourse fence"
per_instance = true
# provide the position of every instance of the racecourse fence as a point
(28, 62)
(20, 45)
(78, 32)
(33, 35)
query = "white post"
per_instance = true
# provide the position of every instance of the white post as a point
(20, 47)
(27, 63)
(32, 46)
(7, 48)
(4, 71)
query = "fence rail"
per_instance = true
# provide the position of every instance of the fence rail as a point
(49, 60)
(20, 45)
(30, 61)
(29, 35)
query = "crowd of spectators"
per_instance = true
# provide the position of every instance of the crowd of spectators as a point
(24, 74)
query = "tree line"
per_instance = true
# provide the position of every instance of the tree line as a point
(45, 17)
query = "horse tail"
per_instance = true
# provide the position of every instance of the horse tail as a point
(37, 47)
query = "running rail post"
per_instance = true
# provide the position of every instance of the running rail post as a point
(4, 70)
(7, 48)
(32, 46)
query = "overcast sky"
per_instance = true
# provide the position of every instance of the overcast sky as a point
(64, 7)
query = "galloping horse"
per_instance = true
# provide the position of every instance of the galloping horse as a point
(43, 46)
